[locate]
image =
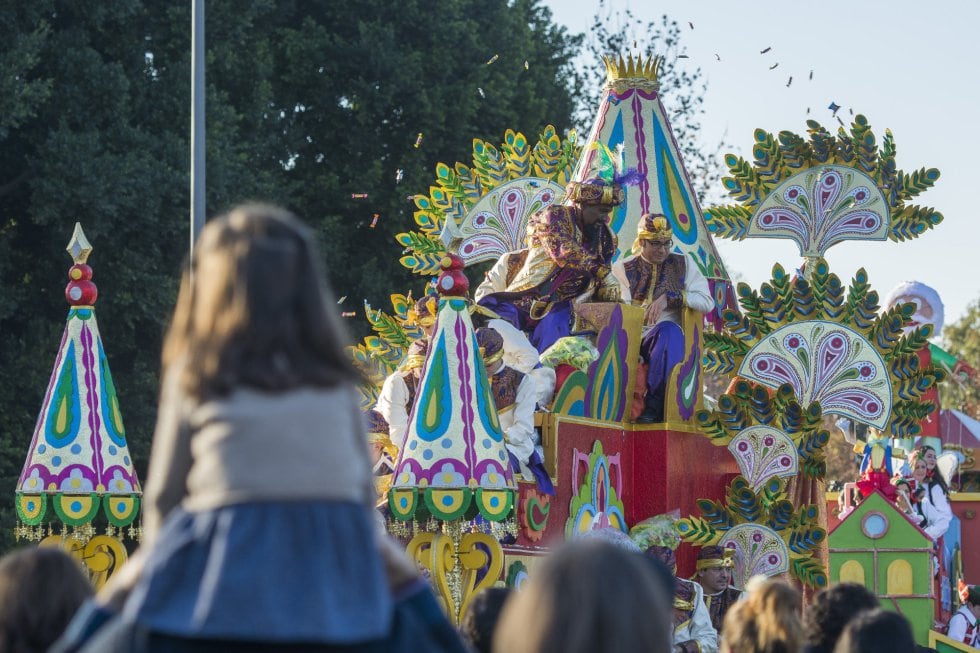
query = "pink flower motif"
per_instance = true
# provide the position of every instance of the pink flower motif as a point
(785, 461)
(773, 559)
(743, 447)
(757, 537)
(768, 441)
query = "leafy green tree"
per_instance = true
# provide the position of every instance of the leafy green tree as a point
(962, 339)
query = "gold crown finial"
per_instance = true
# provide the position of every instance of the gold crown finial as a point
(79, 248)
(633, 73)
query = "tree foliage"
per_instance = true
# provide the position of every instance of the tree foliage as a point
(308, 103)
(962, 339)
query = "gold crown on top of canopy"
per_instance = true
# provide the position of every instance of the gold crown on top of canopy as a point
(633, 72)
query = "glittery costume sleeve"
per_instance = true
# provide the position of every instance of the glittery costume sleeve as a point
(554, 230)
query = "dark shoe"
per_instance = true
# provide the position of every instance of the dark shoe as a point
(650, 416)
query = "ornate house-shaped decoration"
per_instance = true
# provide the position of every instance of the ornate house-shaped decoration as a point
(877, 546)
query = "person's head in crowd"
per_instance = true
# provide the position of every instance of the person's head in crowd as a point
(926, 454)
(830, 611)
(970, 597)
(588, 596)
(41, 589)
(877, 631)
(715, 565)
(425, 313)
(766, 621)
(254, 310)
(491, 345)
(482, 616)
(665, 555)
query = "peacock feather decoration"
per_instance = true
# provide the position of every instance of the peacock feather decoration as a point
(769, 433)
(770, 536)
(480, 211)
(823, 189)
(831, 346)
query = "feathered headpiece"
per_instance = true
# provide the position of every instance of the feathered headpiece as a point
(605, 180)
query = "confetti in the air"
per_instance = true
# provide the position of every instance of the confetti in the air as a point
(811, 75)
(399, 174)
(766, 50)
(348, 314)
(690, 24)
(358, 196)
(773, 66)
(717, 56)
(808, 111)
(526, 67)
(341, 300)
(374, 222)
(851, 110)
(480, 91)
(492, 59)
(840, 121)
(683, 56)
(418, 140)
(790, 81)
(833, 106)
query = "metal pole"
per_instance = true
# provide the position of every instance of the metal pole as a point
(197, 123)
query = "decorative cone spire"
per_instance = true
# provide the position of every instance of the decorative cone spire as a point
(454, 464)
(79, 461)
(631, 114)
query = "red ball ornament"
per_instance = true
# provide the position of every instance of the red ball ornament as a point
(81, 293)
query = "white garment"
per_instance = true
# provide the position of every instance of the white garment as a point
(937, 512)
(959, 623)
(521, 355)
(393, 406)
(697, 294)
(699, 627)
(517, 423)
(495, 281)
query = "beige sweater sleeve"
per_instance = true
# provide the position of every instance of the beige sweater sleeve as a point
(170, 458)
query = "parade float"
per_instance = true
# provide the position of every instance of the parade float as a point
(746, 473)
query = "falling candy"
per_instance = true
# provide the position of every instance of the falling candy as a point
(690, 24)
(811, 75)
(398, 175)
(358, 196)
(683, 56)
(492, 59)
(717, 56)
(418, 140)
(773, 66)
(480, 91)
(766, 50)
(834, 107)
(374, 222)
(526, 67)
(348, 314)
(790, 81)
(341, 300)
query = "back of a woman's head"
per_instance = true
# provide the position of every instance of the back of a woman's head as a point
(587, 596)
(41, 589)
(254, 309)
(877, 631)
(765, 621)
(831, 610)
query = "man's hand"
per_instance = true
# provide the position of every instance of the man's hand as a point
(655, 310)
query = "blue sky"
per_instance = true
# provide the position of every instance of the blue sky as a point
(908, 66)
